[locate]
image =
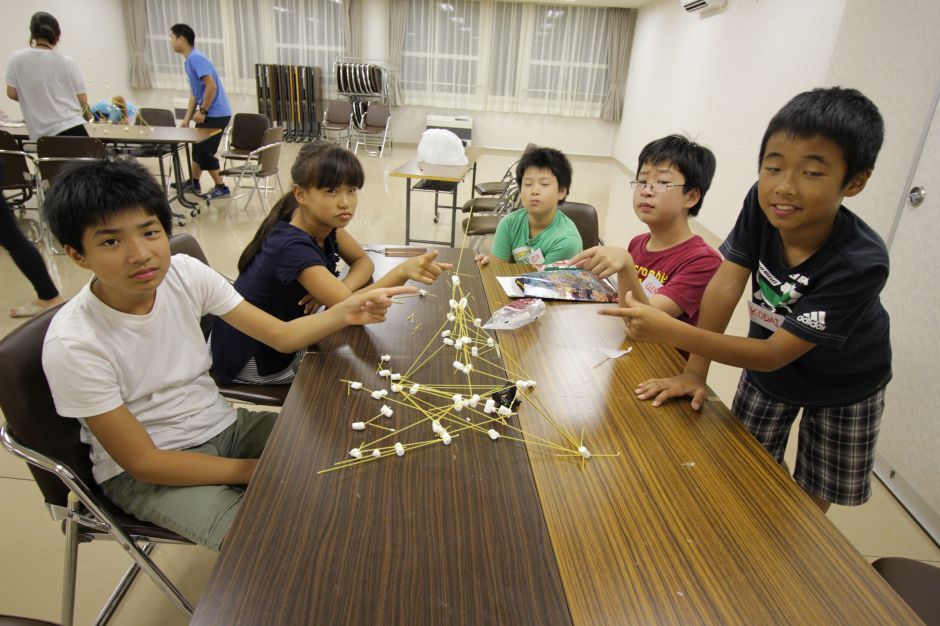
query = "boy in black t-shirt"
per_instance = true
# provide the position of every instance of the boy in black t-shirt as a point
(818, 338)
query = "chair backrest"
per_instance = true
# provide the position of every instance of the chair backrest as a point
(338, 111)
(55, 154)
(27, 405)
(14, 170)
(248, 131)
(184, 243)
(377, 115)
(155, 117)
(584, 217)
(267, 164)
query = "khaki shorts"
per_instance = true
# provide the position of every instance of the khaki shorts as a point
(204, 513)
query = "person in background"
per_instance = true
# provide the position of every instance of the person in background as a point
(48, 85)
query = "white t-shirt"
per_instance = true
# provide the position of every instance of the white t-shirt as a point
(97, 358)
(46, 84)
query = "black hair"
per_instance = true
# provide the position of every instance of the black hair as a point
(44, 26)
(843, 116)
(695, 162)
(88, 194)
(320, 165)
(184, 31)
(547, 159)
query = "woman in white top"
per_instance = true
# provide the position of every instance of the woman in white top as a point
(48, 85)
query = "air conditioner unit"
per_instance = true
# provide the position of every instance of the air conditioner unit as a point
(694, 6)
(461, 126)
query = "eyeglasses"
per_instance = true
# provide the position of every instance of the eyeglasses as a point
(657, 187)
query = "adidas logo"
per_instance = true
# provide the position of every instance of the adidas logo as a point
(816, 319)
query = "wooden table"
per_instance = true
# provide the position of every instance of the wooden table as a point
(170, 136)
(439, 179)
(692, 523)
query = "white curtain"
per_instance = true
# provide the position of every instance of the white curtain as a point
(135, 23)
(619, 35)
(397, 29)
(512, 57)
(237, 34)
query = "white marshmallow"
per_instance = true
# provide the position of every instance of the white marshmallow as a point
(445, 333)
(422, 292)
(490, 405)
(378, 394)
(385, 358)
(355, 453)
(396, 388)
(436, 427)
(474, 351)
(376, 453)
(386, 410)
(477, 322)
(458, 366)
(399, 449)
(493, 434)
(358, 425)
(465, 340)
(474, 400)
(445, 437)
(584, 452)
(455, 279)
(395, 377)
(462, 304)
(468, 368)
(453, 303)
(458, 406)
(532, 383)
(451, 317)
(385, 373)
(457, 397)
(414, 388)
(355, 385)
(490, 342)
(448, 341)
(504, 411)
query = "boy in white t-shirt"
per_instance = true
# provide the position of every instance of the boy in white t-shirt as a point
(127, 356)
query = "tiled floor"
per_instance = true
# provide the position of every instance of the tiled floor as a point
(31, 544)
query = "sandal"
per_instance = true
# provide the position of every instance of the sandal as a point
(27, 310)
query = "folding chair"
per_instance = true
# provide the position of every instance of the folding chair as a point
(338, 119)
(261, 163)
(584, 217)
(245, 136)
(916, 582)
(59, 462)
(154, 117)
(54, 155)
(375, 124)
(17, 178)
(270, 395)
(479, 226)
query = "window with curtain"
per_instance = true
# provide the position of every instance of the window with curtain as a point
(503, 56)
(237, 34)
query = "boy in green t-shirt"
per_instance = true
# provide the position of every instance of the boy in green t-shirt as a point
(541, 233)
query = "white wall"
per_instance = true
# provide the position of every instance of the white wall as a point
(720, 78)
(101, 53)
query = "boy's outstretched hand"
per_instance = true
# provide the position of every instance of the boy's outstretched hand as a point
(482, 259)
(643, 322)
(371, 307)
(423, 268)
(661, 389)
(603, 261)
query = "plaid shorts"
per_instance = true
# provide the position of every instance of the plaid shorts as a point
(836, 446)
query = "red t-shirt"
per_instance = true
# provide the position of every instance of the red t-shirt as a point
(680, 273)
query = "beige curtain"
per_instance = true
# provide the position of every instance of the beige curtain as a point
(135, 25)
(352, 34)
(619, 38)
(398, 11)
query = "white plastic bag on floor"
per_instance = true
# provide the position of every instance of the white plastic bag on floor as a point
(441, 147)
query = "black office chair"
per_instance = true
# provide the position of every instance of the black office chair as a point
(59, 462)
(269, 395)
(156, 118)
(917, 583)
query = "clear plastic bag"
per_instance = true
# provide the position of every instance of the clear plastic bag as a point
(516, 314)
(441, 147)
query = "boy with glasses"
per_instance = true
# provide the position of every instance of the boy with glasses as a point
(669, 266)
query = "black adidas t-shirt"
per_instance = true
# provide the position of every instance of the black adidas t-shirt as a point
(831, 299)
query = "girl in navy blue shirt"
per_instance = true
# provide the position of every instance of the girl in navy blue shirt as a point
(290, 267)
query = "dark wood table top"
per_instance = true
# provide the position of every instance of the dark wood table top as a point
(116, 133)
(692, 523)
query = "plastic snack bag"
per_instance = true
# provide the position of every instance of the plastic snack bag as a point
(516, 314)
(441, 147)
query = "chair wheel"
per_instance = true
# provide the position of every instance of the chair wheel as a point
(180, 221)
(193, 212)
(437, 218)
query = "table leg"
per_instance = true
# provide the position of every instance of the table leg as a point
(453, 219)
(407, 211)
(473, 184)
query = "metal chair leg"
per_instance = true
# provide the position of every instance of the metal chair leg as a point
(71, 561)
